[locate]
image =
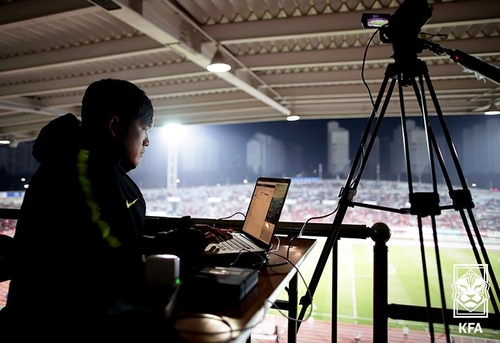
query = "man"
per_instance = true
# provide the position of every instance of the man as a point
(79, 243)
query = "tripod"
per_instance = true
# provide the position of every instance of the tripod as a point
(422, 204)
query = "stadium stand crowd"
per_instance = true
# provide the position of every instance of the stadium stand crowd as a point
(311, 198)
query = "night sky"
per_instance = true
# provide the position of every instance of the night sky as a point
(312, 134)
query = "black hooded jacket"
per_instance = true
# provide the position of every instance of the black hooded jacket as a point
(79, 243)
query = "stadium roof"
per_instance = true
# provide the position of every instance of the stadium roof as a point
(289, 57)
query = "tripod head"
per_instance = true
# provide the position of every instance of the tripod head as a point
(402, 30)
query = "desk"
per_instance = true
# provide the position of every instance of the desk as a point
(233, 323)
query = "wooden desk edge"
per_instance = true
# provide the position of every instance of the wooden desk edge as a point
(240, 328)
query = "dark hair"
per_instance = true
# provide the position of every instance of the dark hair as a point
(109, 97)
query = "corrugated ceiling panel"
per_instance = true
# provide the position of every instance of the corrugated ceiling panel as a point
(71, 30)
(96, 67)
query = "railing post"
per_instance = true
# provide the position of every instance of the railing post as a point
(335, 294)
(380, 234)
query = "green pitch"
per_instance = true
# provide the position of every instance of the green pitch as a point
(406, 285)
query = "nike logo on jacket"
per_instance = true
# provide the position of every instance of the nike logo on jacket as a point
(129, 204)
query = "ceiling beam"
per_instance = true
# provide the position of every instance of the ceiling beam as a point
(229, 97)
(345, 23)
(170, 29)
(442, 71)
(30, 106)
(79, 83)
(17, 12)
(105, 50)
(213, 109)
(29, 129)
(252, 115)
(470, 85)
(341, 56)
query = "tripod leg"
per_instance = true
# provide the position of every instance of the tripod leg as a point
(426, 278)
(370, 132)
(492, 277)
(416, 200)
(348, 191)
(404, 134)
(462, 201)
(422, 204)
(440, 279)
(431, 141)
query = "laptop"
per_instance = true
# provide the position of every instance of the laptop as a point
(261, 220)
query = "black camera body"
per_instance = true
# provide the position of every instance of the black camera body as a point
(402, 28)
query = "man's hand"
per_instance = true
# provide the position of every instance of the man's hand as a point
(214, 234)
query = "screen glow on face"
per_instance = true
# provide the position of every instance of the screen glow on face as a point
(135, 142)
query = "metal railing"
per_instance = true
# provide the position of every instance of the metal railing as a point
(382, 311)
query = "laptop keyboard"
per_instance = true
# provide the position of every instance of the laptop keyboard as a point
(236, 243)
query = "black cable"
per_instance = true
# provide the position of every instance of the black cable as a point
(259, 265)
(304, 226)
(287, 261)
(363, 65)
(357, 177)
(277, 245)
(232, 215)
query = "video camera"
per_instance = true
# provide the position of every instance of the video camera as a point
(402, 28)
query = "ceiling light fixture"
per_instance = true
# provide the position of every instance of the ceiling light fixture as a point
(4, 141)
(492, 110)
(219, 63)
(292, 118)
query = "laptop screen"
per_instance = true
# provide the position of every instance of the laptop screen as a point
(264, 209)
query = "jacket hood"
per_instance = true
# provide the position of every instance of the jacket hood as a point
(58, 141)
